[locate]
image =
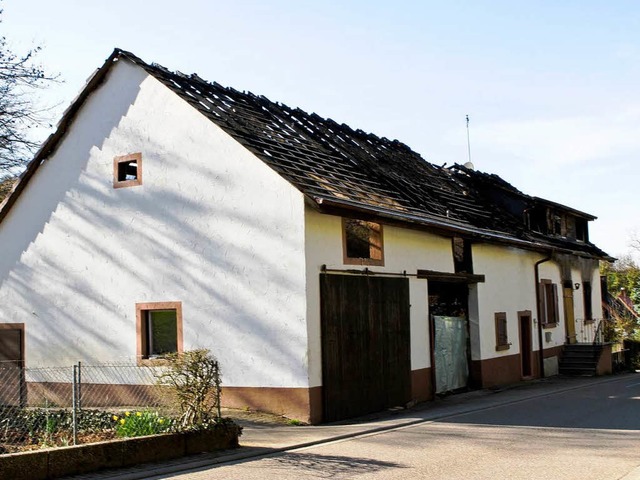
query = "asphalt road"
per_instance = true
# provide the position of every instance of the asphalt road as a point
(592, 432)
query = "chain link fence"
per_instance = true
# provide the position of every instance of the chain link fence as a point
(55, 406)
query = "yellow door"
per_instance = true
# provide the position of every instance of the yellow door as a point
(569, 320)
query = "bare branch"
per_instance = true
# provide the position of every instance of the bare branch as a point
(20, 76)
(635, 242)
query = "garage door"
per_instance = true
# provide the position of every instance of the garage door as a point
(11, 378)
(366, 361)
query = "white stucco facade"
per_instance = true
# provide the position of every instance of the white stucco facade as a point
(509, 287)
(404, 250)
(211, 226)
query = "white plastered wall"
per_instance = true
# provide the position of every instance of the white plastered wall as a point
(212, 226)
(404, 249)
(509, 287)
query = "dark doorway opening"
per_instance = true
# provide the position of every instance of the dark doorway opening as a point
(12, 385)
(524, 319)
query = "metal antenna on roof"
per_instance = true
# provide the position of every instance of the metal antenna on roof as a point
(469, 165)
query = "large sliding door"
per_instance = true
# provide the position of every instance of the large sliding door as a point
(366, 361)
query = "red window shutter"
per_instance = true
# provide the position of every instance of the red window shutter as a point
(543, 309)
(554, 292)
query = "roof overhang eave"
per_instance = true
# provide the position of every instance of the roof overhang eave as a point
(330, 205)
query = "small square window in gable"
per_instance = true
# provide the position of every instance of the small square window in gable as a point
(362, 242)
(127, 170)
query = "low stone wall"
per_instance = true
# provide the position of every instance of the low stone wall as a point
(79, 459)
(605, 363)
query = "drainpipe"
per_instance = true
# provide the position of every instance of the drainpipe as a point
(537, 280)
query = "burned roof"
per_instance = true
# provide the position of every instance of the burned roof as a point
(338, 168)
(328, 161)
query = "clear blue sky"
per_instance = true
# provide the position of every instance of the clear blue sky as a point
(552, 87)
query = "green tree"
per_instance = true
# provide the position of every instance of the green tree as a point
(624, 273)
(623, 276)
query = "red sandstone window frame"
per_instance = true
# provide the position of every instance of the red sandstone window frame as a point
(119, 170)
(374, 238)
(142, 330)
(502, 335)
(549, 310)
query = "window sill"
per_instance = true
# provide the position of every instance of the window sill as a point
(500, 348)
(126, 183)
(372, 262)
(589, 322)
(152, 362)
(549, 325)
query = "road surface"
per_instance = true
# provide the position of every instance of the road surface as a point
(592, 432)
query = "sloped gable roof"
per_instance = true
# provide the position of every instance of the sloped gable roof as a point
(334, 165)
(330, 161)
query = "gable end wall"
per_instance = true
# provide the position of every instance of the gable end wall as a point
(212, 227)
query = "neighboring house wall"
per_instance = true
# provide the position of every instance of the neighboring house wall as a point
(211, 226)
(510, 288)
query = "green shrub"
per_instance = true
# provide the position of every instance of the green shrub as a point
(138, 424)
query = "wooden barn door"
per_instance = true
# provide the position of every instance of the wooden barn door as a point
(12, 390)
(366, 362)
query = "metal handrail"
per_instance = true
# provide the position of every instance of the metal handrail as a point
(597, 337)
(589, 330)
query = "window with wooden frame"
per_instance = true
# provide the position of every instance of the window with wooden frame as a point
(582, 230)
(548, 299)
(502, 337)
(159, 329)
(362, 242)
(586, 298)
(462, 260)
(127, 170)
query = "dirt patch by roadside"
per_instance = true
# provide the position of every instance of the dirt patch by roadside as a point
(254, 418)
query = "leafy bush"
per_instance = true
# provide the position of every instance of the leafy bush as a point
(137, 424)
(37, 420)
(50, 426)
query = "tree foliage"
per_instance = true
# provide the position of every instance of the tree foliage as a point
(624, 273)
(623, 283)
(20, 77)
(6, 184)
